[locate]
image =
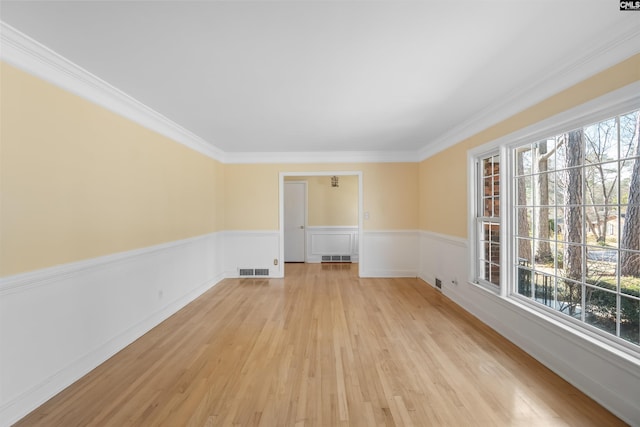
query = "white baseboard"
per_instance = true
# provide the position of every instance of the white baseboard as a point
(59, 323)
(389, 253)
(80, 314)
(608, 376)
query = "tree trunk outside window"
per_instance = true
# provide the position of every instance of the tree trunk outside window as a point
(630, 262)
(524, 246)
(543, 254)
(572, 255)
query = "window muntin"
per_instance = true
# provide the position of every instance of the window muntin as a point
(576, 232)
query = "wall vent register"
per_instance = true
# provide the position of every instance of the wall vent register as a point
(253, 272)
(336, 258)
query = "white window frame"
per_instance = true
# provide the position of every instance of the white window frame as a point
(614, 103)
(475, 226)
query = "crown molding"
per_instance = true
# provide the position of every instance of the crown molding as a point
(623, 42)
(31, 56)
(20, 50)
(23, 52)
(322, 157)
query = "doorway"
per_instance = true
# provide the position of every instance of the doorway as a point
(292, 233)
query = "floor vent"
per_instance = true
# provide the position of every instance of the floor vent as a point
(438, 283)
(336, 258)
(246, 272)
(261, 271)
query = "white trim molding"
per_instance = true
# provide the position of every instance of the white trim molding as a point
(609, 376)
(624, 98)
(616, 102)
(390, 253)
(59, 323)
(441, 257)
(23, 52)
(27, 54)
(331, 240)
(323, 157)
(251, 249)
(19, 282)
(457, 241)
(606, 370)
(31, 56)
(281, 178)
(620, 43)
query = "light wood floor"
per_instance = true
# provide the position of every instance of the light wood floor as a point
(321, 348)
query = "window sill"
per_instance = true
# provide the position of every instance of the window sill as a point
(581, 337)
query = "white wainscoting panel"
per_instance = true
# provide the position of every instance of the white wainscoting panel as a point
(446, 261)
(252, 249)
(606, 374)
(331, 241)
(389, 253)
(59, 323)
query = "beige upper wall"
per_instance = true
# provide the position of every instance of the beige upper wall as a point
(390, 193)
(331, 206)
(79, 181)
(443, 177)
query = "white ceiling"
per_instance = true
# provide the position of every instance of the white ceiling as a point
(299, 76)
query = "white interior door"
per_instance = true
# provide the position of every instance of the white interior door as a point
(295, 208)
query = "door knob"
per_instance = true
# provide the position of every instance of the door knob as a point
(301, 227)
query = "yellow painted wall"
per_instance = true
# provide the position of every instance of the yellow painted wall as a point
(443, 177)
(390, 193)
(331, 206)
(78, 181)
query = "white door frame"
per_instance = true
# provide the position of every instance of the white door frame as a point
(361, 253)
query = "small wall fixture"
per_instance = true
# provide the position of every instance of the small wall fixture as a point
(335, 181)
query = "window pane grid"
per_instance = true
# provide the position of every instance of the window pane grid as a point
(572, 199)
(488, 221)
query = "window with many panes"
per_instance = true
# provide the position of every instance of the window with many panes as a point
(488, 220)
(576, 224)
(556, 220)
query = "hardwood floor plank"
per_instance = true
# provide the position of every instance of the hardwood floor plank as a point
(321, 347)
